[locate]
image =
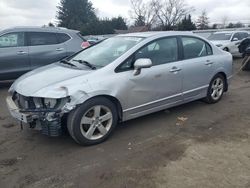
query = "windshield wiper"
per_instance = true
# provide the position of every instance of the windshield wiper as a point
(85, 63)
(64, 61)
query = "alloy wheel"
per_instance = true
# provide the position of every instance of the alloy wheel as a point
(96, 122)
(217, 88)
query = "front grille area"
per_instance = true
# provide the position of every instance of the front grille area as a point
(23, 102)
(50, 119)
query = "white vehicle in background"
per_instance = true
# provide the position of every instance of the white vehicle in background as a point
(228, 40)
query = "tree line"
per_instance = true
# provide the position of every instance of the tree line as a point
(81, 15)
(154, 14)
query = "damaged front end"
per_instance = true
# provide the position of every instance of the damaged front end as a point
(44, 114)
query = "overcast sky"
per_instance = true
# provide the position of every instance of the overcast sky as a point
(40, 12)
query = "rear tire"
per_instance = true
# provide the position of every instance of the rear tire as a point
(216, 89)
(93, 121)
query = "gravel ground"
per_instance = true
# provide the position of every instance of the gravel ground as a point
(193, 145)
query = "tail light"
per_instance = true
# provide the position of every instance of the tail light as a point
(85, 44)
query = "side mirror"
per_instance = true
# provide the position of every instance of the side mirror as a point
(235, 39)
(141, 64)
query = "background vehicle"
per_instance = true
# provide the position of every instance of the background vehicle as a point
(244, 48)
(121, 78)
(93, 40)
(228, 40)
(25, 48)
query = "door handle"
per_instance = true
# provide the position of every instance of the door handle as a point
(175, 69)
(209, 63)
(22, 53)
(59, 49)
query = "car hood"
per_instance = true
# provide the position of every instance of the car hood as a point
(49, 81)
(222, 42)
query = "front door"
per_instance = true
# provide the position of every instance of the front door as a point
(14, 56)
(157, 87)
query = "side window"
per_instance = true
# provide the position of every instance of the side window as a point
(241, 36)
(245, 35)
(160, 52)
(62, 37)
(194, 47)
(153, 46)
(238, 36)
(41, 38)
(127, 65)
(12, 40)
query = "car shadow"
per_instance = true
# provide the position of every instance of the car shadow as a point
(5, 84)
(129, 130)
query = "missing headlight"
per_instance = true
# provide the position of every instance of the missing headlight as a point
(50, 103)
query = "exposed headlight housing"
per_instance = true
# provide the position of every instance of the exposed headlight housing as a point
(50, 103)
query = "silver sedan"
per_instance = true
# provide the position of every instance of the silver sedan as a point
(121, 78)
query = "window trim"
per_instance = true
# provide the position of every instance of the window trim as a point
(13, 32)
(182, 47)
(118, 68)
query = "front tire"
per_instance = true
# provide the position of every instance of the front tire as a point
(93, 121)
(216, 89)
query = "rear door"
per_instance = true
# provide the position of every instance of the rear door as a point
(66, 40)
(45, 48)
(14, 56)
(198, 67)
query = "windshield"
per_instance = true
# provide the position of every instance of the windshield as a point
(105, 52)
(220, 36)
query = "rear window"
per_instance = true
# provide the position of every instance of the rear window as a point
(42, 38)
(79, 34)
(62, 37)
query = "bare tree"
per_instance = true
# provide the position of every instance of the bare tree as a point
(170, 12)
(142, 12)
(224, 21)
(203, 21)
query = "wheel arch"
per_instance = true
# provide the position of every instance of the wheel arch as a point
(225, 78)
(114, 100)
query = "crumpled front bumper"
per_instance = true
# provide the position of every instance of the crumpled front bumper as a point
(15, 112)
(48, 120)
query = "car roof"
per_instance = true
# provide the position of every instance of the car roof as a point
(39, 29)
(157, 33)
(229, 32)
